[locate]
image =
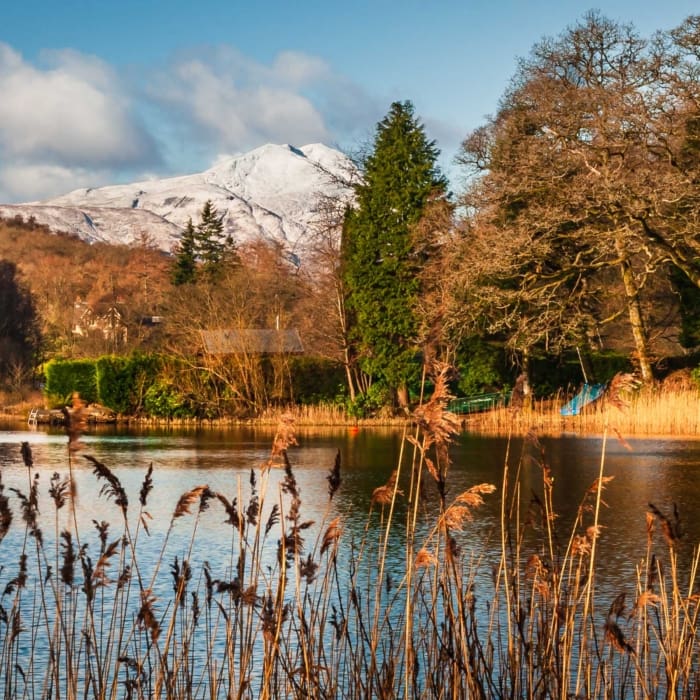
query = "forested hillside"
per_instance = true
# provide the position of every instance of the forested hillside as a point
(571, 251)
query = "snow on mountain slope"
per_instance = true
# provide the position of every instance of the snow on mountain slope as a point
(99, 224)
(270, 192)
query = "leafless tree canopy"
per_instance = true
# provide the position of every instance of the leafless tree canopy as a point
(584, 186)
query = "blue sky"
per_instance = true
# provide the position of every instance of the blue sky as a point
(97, 92)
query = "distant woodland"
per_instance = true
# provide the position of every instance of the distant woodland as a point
(571, 251)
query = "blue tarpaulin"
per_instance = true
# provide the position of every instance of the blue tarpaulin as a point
(588, 394)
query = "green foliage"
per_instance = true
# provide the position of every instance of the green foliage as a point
(212, 244)
(119, 383)
(695, 374)
(123, 381)
(551, 374)
(380, 263)
(607, 364)
(481, 366)
(689, 302)
(204, 249)
(163, 400)
(63, 377)
(316, 380)
(371, 402)
(185, 266)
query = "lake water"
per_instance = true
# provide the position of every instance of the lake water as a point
(663, 472)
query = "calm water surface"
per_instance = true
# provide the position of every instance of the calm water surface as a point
(663, 472)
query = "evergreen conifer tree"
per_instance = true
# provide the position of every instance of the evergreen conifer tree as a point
(380, 260)
(185, 265)
(204, 249)
(211, 241)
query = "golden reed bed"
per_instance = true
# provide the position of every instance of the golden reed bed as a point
(648, 412)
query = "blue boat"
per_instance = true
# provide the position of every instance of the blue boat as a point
(588, 394)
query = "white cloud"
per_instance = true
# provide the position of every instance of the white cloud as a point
(70, 120)
(300, 69)
(71, 114)
(31, 182)
(237, 103)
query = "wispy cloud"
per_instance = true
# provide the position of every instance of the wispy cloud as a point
(70, 120)
(236, 103)
(70, 116)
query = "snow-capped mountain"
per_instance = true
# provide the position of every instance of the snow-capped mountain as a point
(271, 192)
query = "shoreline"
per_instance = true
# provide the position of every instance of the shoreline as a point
(660, 413)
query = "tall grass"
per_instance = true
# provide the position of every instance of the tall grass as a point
(286, 614)
(651, 411)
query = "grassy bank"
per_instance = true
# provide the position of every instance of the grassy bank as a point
(83, 614)
(666, 410)
(647, 412)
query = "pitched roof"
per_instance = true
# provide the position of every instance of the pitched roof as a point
(258, 341)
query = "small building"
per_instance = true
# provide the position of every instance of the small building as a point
(252, 341)
(107, 322)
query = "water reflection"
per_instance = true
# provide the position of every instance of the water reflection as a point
(663, 472)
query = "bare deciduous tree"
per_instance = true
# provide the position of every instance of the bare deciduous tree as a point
(590, 165)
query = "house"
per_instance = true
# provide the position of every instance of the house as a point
(252, 341)
(108, 322)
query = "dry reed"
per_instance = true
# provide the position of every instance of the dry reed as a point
(289, 617)
(648, 412)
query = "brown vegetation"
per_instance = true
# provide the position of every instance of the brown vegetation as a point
(280, 617)
(60, 269)
(652, 411)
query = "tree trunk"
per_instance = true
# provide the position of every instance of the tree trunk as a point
(348, 375)
(634, 311)
(342, 321)
(402, 397)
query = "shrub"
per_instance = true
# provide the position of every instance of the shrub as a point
(316, 379)
(163, 400)
(123, 381)
(370, 402)
(481, 366)
(64, 377)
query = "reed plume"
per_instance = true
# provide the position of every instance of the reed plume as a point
(75, 421)
(670, 526)
(5, 511)
(188, 499)
(146, 615)
(146, 486)
(383, 495)
(285, 437)
(234, 516)
(69, 558)
(621, 388)
(30, 508)
(331, 535)
(333, 477)
(60, 490)
(99, 574)
(113, 488)
(27, 456)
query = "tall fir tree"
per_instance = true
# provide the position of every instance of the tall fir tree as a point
(380, 259)
(212, 243)
(204, 249)
(184, 269)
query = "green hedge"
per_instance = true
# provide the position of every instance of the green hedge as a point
(64, 377)
(122, 382)
(119, 383)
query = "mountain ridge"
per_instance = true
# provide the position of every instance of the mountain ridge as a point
(268, 193)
